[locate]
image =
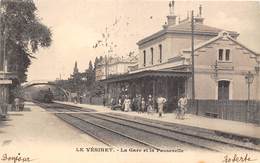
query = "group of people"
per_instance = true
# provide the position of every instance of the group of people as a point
(141, 105)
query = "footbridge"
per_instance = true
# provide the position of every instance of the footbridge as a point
(48, 83)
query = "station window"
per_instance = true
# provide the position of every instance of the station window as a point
(160, 53)
(152, 56)
(144, 52)
(224, 55)
(220, 54)
(227, 54)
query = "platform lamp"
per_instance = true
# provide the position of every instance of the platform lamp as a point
(249, 77)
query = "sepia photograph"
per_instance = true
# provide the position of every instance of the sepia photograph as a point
(129, 81)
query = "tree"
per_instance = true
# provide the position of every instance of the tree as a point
(75, 70)
(96, 62)
(90, 66)
(90, 75)
(101, 58)
(23, 34)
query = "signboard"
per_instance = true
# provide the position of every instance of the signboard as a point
(74, 94)
(5, 81)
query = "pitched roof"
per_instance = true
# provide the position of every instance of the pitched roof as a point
(223, 34)
(185, 28)
(198, 27)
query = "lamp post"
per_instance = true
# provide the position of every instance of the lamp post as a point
(249, 77)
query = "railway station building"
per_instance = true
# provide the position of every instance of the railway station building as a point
(111, 66)
(227, 80)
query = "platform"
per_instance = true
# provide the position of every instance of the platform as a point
(217, 125)
(35, 127)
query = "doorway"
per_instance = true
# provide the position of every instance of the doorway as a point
(223, 90)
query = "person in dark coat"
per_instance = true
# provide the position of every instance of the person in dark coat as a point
(104, 101)
(138, 103)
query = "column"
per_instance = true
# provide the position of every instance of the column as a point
(167, 93)
(154, 91)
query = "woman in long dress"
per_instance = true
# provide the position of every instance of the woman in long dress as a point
(142, 105)
(150, 104)
(127, 104)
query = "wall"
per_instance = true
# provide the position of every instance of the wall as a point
(172, 44)
(234, 71)
(204, 86)
(257, 80)
(114, 68)
(93, 100)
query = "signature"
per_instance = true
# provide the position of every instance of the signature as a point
(238, 158)
(16, 159)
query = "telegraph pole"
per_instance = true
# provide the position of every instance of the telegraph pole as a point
(3, 63)
(192, 59)
(1, 38)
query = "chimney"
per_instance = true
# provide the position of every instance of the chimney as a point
(171, 19)
(199, 19)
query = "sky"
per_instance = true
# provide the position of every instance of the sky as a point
(77, 25)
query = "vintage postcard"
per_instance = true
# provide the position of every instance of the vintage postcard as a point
(129, 81)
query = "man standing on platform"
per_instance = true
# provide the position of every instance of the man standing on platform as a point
(17, 103)
(182, 104)
(160, 101)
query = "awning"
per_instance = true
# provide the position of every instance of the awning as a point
(148, 73)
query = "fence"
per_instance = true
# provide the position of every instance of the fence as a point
(93, 100)
(3, 109)
(227, 109)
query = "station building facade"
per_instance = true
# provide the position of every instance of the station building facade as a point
(222, 68)
(114, 66)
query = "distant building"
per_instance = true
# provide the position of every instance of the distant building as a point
(114, 66)
(222, 65)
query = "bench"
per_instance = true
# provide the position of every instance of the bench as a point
(116, 107)
(211, 114)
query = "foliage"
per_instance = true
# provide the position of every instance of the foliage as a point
(84, 82)
(24, 34)
(90, 75)
(90, 66)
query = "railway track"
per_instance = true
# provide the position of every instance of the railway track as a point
(117, 131)
(104, 134)
(55, 107)
(187, 132)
